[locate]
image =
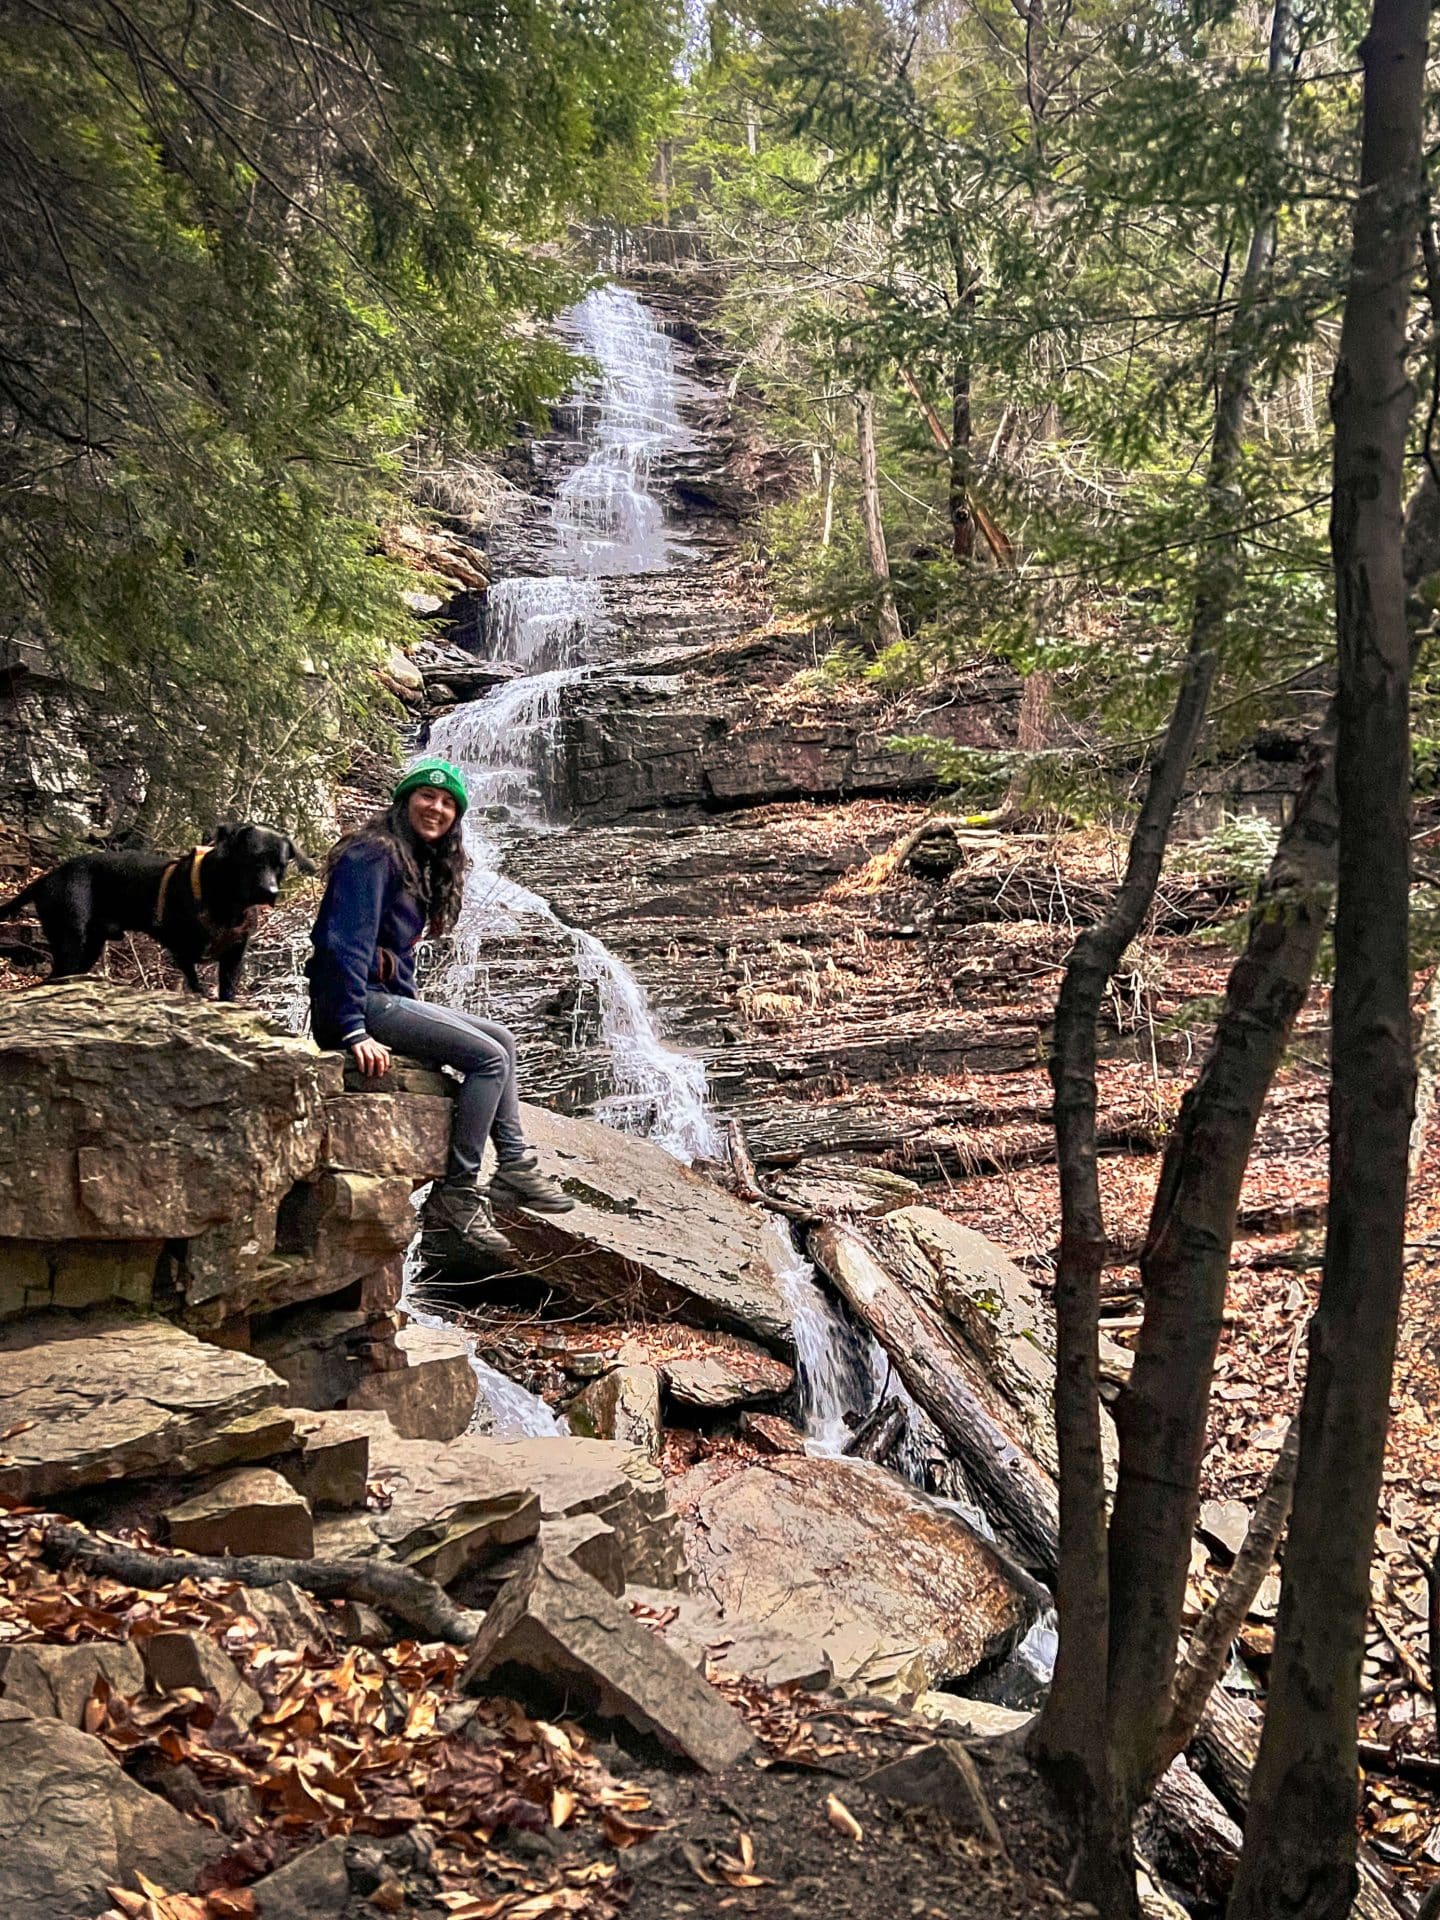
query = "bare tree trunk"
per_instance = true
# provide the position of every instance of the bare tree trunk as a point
(890, 634)
(1299, 1856)
(1185, 1266)
(962, 519)
(1209, 1647)
(827, 523)
(1070, 1739)
(1098, 1628)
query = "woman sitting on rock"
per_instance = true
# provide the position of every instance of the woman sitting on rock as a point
(400, 875)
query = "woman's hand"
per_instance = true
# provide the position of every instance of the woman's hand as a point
(371, 1057)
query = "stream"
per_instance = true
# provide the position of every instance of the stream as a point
(605, 522)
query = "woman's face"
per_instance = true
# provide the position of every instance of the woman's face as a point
(431, 813)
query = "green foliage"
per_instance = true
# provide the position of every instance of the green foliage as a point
(1044, 216)
(250, 254)
(1239, 851)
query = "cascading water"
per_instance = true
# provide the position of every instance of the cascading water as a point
(541, 623)
(841, 1370)
(511, 1412)
(835, 1372)
(843, 1374)
(605, 522)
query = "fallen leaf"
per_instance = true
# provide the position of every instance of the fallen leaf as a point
(841, 1818)
(693, 1859)
(622, 1833)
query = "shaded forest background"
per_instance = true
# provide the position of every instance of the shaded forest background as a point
(1042, 308)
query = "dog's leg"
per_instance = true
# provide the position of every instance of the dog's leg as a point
(186, 959)
(73, 949)
(232, 962)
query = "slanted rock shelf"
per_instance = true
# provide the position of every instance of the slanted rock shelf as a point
(202, 1233)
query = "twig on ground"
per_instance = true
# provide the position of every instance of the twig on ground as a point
(393, 1589)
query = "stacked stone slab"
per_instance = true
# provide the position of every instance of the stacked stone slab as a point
(171, 1155)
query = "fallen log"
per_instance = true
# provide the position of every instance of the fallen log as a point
(877, 1435)
(1016, 1491)
(379, 1583)
(1189, 1836)
(1223, 1753)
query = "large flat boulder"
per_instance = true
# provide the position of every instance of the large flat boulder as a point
(695, 1628)
(648, 1233)
(130, 1116)
(72, 1825)
(846, 1557)
(87, 1401)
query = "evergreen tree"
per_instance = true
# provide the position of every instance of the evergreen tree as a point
(248, 254)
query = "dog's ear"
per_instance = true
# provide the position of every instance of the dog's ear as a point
(297, 857)
(224, 830)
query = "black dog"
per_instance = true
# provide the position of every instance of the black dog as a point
(201, 906)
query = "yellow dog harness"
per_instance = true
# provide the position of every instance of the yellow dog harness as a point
(197, 860)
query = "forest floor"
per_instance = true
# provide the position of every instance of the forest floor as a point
(458, 1809)
(981, 1143)
(988, 944)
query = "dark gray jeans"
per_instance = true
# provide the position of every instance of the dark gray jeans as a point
(489, 1103)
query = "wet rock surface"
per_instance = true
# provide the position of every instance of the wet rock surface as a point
(794, 1544)
(648, 1234)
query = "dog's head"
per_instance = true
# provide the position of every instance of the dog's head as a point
(253, 862)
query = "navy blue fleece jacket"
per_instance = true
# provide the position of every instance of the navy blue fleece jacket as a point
(367, 909)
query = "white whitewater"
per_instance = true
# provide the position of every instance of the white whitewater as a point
(515, 1412)
(835, 1372)
(605, 521)
(510, 1411)
(542, 623)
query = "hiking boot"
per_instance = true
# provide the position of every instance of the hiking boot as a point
(456, 1225)
(521, 1183)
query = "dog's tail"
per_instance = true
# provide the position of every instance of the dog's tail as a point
(22, 899)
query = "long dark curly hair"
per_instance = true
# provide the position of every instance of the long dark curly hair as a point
(433, 870)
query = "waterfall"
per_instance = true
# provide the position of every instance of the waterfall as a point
(515, 1412)
(605, 521)
(835, 1371)
(541, 623)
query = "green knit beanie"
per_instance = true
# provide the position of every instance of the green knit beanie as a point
(433, 773)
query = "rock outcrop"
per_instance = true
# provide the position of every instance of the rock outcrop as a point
(795, 1545)
(72, 1825)
(170, 1153)
(175, 1155)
